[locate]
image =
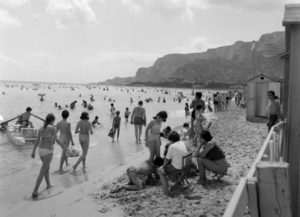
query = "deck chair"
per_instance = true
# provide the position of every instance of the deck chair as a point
(181, 175)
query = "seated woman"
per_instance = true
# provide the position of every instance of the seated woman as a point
(209, 156)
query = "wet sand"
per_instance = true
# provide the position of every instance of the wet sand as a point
(240, 141)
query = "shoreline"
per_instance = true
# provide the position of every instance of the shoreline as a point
(232, 132)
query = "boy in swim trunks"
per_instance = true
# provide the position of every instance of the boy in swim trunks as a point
(126, 114)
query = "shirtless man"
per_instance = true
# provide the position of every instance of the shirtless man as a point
(138, 118)
(137, 174)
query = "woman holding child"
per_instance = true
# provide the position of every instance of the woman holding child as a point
(209, 156)
(152, 134)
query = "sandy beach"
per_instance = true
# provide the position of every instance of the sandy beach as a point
(240, 140)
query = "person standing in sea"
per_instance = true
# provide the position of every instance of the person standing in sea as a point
(65, 136)
(84, 128)
(138, 118)
(194, 103)
(273, 110)
(45, 140)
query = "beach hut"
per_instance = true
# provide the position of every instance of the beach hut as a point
(256, 95)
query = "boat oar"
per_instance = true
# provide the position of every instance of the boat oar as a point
(41, 118)
(5, 122)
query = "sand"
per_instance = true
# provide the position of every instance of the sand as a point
(240, 140)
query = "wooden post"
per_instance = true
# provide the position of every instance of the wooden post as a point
(273, 189)
(292, 23)
(271, 148)
(253, 197)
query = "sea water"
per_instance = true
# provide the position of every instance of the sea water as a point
(18, 171)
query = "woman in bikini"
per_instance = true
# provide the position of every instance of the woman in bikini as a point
(152, 134)
(45, 140)
(65, 136)
(84, 128)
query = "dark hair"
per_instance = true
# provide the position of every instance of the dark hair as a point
(140, 102)
(158, 161)
(272, 92)
(111, 104)
(199, 107)
(173, 137)
(162, 114)
(96, 117)
(186, 125)
(118, 112)
(49, 119)
(84, 116)
(198, 95)
(65, 114)
(28, 109)
(205, 134)
(127, 108)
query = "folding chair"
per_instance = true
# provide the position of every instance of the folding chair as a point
(181, 175)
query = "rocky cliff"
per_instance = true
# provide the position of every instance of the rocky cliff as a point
(232, 64)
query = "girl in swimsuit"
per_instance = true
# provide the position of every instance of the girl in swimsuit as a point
(152, 134)
(84, 128)
(65, 137)
(45, 140)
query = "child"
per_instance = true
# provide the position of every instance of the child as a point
(187, 110)
(116, 125)
(127, 113)
(198, 123)
(112, 109)
(185, 131)
(95, 121)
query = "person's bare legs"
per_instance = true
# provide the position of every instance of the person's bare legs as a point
(163, 179)
(140, 131)
(62, 160)
(136, 128)
(82, 158)
(118, 133)
(46, 160)
(215, 166)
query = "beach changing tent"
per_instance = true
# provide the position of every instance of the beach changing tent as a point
(256, 95)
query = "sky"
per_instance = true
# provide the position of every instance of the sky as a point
(82, 41)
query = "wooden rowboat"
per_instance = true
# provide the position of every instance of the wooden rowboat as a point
(21, 137)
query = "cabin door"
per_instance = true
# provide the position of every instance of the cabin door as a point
(261, 99)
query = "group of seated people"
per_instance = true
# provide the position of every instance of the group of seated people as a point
(209, 156)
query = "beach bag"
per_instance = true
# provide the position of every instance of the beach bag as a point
(72, 152)
(111, 133)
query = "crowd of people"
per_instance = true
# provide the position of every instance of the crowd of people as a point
(156, 168)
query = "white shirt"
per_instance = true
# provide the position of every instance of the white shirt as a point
(175, 153)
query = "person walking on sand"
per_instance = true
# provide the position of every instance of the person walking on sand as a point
(152, 134)
(273, 110)
(45, 141)
(116, 126)
(84, 128)
(138, 118)
(65, 137)
(209, 156)
(194, 103)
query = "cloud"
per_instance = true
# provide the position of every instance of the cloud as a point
(197, 44)
(13, 3)
(71, 12)
(7, 20)
(109, 57)
(10, 60)
(181, 8)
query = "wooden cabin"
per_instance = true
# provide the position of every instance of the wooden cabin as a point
(256, 95)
